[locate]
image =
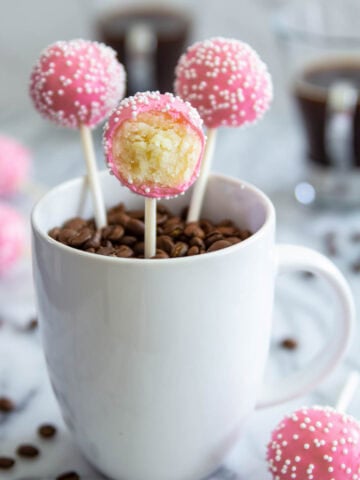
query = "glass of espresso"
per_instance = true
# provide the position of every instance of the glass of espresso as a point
(148, 39)
(321, 42)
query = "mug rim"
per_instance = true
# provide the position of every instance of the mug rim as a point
(142, 262)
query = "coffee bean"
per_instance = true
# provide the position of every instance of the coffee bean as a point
(94, 241)
(47, 431)
(180, 249)
(6, 405)
(68, 476)
(75, 223)
(289, 343)
(81, 237)
(233, 240)
(184, 213)
(244, 234)
(66, 235)
(194, 250)
(27, 451)
(173, 230)
(118, 218)
(193, 230)
(206, 225)
(165, 242)
(212, 238)
(109, 251)
(124, 251)
(160, 254)
(139, 248)
(139, 214)
(115, 233)
(135, 227)
(128, 240)
(197, 242)
(54, 233)
(226, 223)
(32, 325)
(6, 463)
(173, 221)
(226, 231)
(218, 245)
(161, 218)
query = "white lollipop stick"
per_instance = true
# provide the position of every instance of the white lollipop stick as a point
(150, 227)
(93, 177)
(348, 392)
(200, 185)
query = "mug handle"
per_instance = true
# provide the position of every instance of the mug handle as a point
(291, 257)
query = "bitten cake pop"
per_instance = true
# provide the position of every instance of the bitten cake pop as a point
(12, 237)
(76, 84)
(153, 144)
(317, 443)
(228, 83)
(15, 162)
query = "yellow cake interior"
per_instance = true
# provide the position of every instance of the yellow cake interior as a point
(156, 149)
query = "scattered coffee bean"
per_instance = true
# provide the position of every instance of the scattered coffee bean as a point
(6, 405)
(124, 236)
(289, 343)
(47, 431)
(68, 476)
(330, 244)
(308, 275)
(27, 451)
(32, 325)
(218, 245)
(6, 463)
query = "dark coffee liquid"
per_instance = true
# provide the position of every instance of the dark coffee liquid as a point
(171, 31)
(311, 93)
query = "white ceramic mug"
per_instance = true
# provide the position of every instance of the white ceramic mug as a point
(157, 363)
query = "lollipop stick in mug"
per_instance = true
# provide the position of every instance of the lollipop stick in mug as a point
(154, 144)
(76, 84)
(229, 85)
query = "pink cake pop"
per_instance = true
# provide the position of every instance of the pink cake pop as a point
(77, 83)
(153, 144)
(317, 443)
(12, 237)
(225, 80)
(15, 162)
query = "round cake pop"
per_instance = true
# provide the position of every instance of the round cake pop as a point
(225, 80)
(12, 237)
(77, 83)
(317, 443)
(15, 162)
(153, 144)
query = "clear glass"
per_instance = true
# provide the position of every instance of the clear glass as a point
(320, 43)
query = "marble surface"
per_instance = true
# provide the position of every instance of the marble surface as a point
(302, 309)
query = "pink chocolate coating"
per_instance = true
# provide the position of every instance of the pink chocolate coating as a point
(143, 102)
(77, 82)
(315, 443)
(15, 162)
(12, 237)
(225, 80)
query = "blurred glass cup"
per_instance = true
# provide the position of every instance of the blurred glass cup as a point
(148, 38)
(320, 40)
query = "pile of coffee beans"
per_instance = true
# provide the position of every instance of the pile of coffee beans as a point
(124, 235)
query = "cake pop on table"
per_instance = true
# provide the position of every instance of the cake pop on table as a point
(227, 82)
(15, 160)
(154, 144)
(12, 237)
(76, 84)
(317, 443)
